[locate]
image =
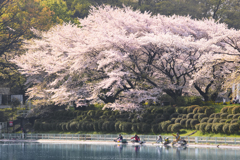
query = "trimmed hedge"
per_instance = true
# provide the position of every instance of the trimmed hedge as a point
(226, 128)
(188, 123)
(183, 122)
(205, 119)
(169, 128)
(234, 121)
(236, 116)
(201, 116)
(202, 127)
(222, 121)
(224, 110)
(216, 120)
(217, 115)
(210, 120)
(135, 129)
(212, 115)
(190, 115)
(195, 116)
(230, 116)
(223, 116)
(233, 128)
(228, 121)
(236, 110)
(208, 127)
(219, 127)
(165, 125)
(174, 115)
(193, 122)
(176, 127)
(191, 108)
(178, 120)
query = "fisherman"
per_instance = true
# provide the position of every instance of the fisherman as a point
(176, 136)
(119, 139)
(159, 139)
(136, 138)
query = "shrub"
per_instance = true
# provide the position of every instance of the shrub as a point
(139, 126)
(100, 123)
(195, 116)
(209, 110)
(223, 116)
(117, 126)
(216, 120)
(157, 110)
(201, 116)
(230, 109)
(226, 128)
(179, 110)
(193, 122)
(191, 108)
(224, 110)
(195, 110)
(89, 126)
(222, 121)
(208, 127)
(145, 128)
(184, 110)
(134, 127)
(37, 126)
(73, 126)
(177, 120)
(190, 115)
(213, 127)
(169, 128)
(154, 128)
(202, 126)
(173, 120)
(210, 120)
(125, 126)
(205, 119)
(230, 116)
(217, 115)
(197, 126)
(176, 127)
(188, 123)
(184, 116)
(219, 127)
(236, 116)
(164, 125)
(95, 126)
(169, 110)
(183, 122)
(234, 121)
(233, 128)
(236, 110)
(174, 115)
(228, 121)
(212, 115)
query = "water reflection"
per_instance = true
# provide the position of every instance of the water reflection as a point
(36, 151)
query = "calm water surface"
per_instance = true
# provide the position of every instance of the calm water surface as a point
(36, 151)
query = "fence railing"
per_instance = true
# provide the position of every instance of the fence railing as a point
(111, 137)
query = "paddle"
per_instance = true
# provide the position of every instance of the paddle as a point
(191, 133)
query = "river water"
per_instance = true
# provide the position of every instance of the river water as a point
(38, 151)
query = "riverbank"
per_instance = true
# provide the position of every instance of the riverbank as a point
(113, 143)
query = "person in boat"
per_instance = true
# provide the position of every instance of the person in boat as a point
(166, 140)
(119, 139)
(135, 138)
(159, 139)
(176, 136)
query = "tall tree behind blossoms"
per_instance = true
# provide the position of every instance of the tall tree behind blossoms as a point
(17, 17)
(119, 56)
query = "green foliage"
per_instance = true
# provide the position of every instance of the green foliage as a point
(176, 127)
(216, 120)
(217, 115)
(230, 116)
(164, 125)
(224, 110)
(145, 128)
(208, 127)
(236, 110)
(125, 126)
(233, 128)
(174, 115)
(169, 110)
(169, 128)
(135, 129)
(222, 121)
(230, 109)
(236, 116)
(226, 128)
(73, 126)
(202, 127)
(219, 127)
(228, 121)
(183, 122)
(197, 126)
(234, 121)
(223, 116)
(117, 128)
(193, 122)
(195, 116)
(173, 120)
(205, 119)
(191, 108)
(190, 115)
(212, 115)
(177, 120)
(188, 123)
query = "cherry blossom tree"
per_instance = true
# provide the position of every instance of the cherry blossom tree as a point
(118, 56)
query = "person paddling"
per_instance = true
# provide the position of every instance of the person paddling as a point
(159, 139)
(119, 139)
(136, 138)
